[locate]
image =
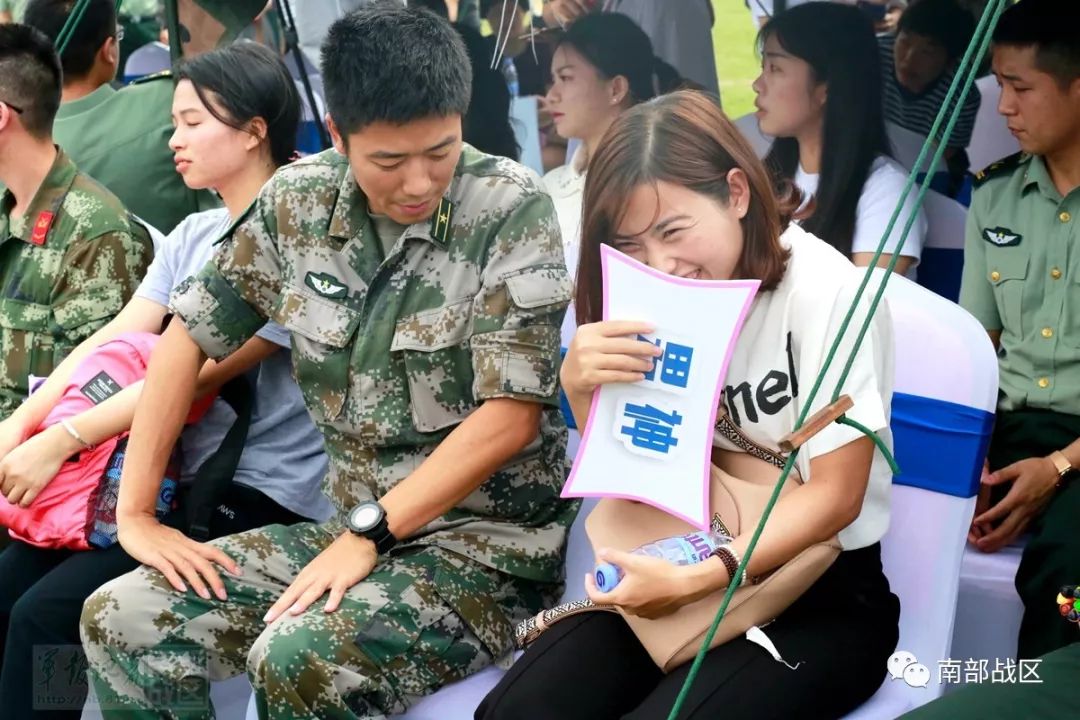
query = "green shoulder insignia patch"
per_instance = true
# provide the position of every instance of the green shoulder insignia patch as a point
(152, 77)
(326, 285)
(1001, 167)
(1002, 237)
(440, 221)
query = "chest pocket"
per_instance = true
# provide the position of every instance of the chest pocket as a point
(1007, 269)
(27, 341)
(322, 345)
(434, 349)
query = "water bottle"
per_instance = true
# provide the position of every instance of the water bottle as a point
(509, 71)
(679, 550)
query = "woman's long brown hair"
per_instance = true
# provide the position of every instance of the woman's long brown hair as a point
(683, 139)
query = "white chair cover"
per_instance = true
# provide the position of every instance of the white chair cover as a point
(942, 354)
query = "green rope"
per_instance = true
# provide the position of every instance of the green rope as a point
(845, 420)
(989, 20)
(965, 76)
(72, 22)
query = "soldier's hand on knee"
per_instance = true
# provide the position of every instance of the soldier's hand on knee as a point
(347, 561)
(180, 559)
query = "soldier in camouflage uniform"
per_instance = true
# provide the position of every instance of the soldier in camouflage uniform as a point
(70, 255)
(424, 286)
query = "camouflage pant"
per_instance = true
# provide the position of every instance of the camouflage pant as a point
(422, 619)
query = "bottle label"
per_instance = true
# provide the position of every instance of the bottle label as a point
(693, 548)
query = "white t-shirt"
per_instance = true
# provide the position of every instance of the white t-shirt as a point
(883, 187)
(566, 185)
(778, 356)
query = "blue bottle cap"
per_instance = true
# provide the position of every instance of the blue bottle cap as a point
(607, 577)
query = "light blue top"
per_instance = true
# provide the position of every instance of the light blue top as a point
(283, 456)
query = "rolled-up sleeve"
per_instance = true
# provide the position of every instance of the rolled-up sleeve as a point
(524, 292)
(231, 298)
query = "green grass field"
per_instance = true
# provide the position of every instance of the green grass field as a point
(736, 61)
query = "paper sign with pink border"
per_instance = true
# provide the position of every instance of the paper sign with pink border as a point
(703, 314)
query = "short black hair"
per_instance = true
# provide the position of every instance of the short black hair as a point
(243, 81)
(944, 21)
(97, 25)
(30, 77)
(1052, 27)
(388, 63)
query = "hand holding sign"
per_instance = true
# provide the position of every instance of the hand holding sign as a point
(657, 362)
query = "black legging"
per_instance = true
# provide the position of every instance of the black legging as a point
(42, 591)
(592, 667)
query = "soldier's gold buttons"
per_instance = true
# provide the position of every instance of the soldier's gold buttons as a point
(995, 276)
(1047, 333)
(1044, 382)
(1055, 273)
(1064, 217)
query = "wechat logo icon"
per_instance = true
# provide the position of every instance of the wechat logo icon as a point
(903, 666)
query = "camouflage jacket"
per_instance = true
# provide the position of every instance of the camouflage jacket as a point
(391, 354)
(67, 266)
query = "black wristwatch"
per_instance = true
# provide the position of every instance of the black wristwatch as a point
(368, 519)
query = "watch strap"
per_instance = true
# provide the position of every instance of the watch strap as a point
(1061, 463)
(382, 537)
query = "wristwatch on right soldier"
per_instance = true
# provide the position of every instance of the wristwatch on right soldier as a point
(1062, 464)
(368, 519)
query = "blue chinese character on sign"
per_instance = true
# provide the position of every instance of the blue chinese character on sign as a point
(676, 364)
(651, 375)
(653, 429)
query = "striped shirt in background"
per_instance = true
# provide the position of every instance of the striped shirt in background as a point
(918, 112)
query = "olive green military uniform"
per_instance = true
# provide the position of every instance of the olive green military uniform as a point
(1022, 277)
(121, 139)
(67, 266)
(392, 352)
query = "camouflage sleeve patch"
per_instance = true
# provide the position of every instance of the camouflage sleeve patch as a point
(524, 292)
(233, 296)
(216, 317)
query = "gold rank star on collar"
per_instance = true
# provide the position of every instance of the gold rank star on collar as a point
(440, 221)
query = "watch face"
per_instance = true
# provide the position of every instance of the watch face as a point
(366, 516)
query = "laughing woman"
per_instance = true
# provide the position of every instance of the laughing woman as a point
(673, 185)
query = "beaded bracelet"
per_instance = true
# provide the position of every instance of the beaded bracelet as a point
(1068, 601)
(730, 560)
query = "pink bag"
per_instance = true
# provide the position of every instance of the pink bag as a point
(61, 516)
